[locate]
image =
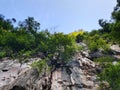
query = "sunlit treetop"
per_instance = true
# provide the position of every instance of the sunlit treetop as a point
(76, 33)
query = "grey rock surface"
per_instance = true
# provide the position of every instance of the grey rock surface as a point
(116, 51)
(115, 48)
(79, 74)
(10, 70)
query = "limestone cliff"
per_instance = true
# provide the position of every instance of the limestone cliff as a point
(79, 74)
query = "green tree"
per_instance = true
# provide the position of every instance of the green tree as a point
(79, 38)
(6, 24)
(96, 43)
(105, 26)
(30, 25)
(116, 12)
(115, 27)
(59, 49)
(111, 74)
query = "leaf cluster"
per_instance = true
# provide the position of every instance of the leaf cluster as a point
(111, 74)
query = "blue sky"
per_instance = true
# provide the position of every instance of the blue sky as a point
(60, 15)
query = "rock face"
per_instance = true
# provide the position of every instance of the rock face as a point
(115, 48)
(79, 74)
(116, 51)
(10, 70)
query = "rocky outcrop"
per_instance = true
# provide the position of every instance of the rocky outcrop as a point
(116, 51)
(79, 74)
(115, 48)
(10, 70)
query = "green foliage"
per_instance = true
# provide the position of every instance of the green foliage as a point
(58, 50)
(21, 56)
(42, 40)
(2, 54)
(24, 41)
(30, 25)
(28, 53)
(105, 26)
(93, 32)
(40, 65)
(79, 38)
(112, 28)
(116, 12)
(61, 48)
(6, 24)
(80, 35)
(16, 42)
(104, 59)
(96, 43)
(111, 74)
(116, 32)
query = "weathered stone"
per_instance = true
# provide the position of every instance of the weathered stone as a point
(115, 48)
(79, 74)
(96, 54)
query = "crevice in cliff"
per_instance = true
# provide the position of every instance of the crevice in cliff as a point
(68, 71)
(48, 81)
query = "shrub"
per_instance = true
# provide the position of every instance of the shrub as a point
(58, 50)
(96, 43)
(61, 48)
(2, 54)
(41, 66)
(104, 59)
(111, 74)
(79, 38)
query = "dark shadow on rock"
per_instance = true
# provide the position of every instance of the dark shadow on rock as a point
(4, 70)
(18, 88)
